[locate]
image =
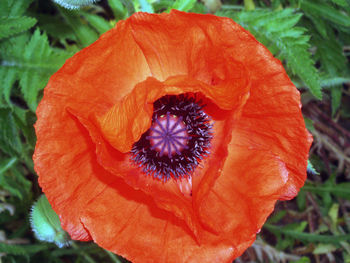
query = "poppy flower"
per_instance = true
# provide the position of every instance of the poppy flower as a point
(170, 139)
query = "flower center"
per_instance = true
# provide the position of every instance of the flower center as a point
(168, 135)
(177, 141)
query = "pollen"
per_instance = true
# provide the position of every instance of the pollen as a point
(177, 141)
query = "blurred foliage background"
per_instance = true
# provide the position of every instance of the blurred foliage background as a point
(311, 38)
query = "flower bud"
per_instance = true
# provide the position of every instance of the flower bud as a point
(46, 225)
(74, 4)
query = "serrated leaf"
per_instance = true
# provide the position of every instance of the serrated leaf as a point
(8, 78)
(13, 25)
(13, 8)
(277, 30)
(32, 61)
(298, 59)
(330, 53)
(9, 134)
(325, 11)
(319, 24)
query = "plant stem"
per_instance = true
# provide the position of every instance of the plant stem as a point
(83, 253)
(114, 257)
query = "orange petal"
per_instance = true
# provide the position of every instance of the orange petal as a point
(272, 120)
(128, 223)
(124, 123)
(244, 194)
(199, 46)
(91, 81)
(66, 165)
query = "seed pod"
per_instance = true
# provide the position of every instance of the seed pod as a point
(74, 4)
(46, 225)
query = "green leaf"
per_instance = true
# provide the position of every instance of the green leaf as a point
(309, 124)
(22, 249)
(330, 54)
(32, 61)
(129, 6)
(97, 22)
(13, 8)
(340, 2)
(276, 217)
(9, 134)
(302, 260)
(341, 190)
(56, 27)
(7, 164)
(324, 249)
(12, 20)
(83, 32)
(336, 93)
(325, 11)
(118, 9)
(333, 81)
(333, 214)
(277, 30)
(301, 200)
(183, 5)
(14, 25)
(15, 183)
(308, 237)
(8, 78)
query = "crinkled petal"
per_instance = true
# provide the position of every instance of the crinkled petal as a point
(124, 123)
(97, 77)
(91, 81)
(166, 194)
(243, 195)
(66, 164)
(272, 120)
(199, 46)
(101, 102)
(141, 232)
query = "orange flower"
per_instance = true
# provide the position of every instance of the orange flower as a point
(170, 139)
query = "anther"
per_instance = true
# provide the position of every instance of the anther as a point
(177, 141)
